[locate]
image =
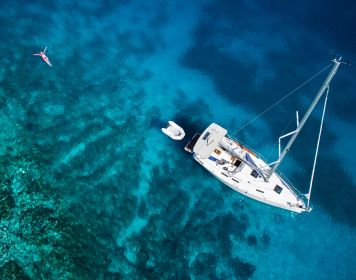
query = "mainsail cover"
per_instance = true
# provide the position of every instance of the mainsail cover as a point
(250, 160)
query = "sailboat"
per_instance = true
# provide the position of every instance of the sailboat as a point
(246, 172)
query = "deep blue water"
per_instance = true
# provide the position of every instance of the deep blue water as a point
(91, 188)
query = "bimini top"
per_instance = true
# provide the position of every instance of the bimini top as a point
(209, 140)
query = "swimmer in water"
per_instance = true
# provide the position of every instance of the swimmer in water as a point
(44, 57)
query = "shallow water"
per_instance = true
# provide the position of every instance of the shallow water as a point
(91, 188)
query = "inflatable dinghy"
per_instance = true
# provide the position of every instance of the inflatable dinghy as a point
(174, 131)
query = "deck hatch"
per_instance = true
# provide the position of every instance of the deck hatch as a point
(206, 136)
(278, 189)
(254, 174)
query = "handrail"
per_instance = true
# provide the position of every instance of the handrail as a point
(290, 185)
(283, 177)
(251, 149)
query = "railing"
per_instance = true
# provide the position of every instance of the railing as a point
(284, 179)
(249, 148)
(290, 185)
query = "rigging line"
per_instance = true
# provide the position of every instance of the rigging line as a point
(279, 101)
(317, 147)
(283, 132)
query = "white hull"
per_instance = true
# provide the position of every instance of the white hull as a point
(242, 191)
(228, 163)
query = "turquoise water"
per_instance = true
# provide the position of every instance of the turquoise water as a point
(91, 188)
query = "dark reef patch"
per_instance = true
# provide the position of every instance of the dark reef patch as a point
(243, 270)
(266, 239)
(12, 270)
(251, 240)
(205, 265)
(7, 201)
(175, 227)
(193, 117)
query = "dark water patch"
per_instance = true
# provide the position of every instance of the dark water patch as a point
(172, 202)
(236, 78)
(155, 120)
(238, 205)
(40, 6)
(12, 270)
(219, 230)
(279, 219)
(210, 61)
(175, 211)
(341, 102)
(91, 240)
(337, 195)
(94, 160)
(72, 129)
(251, 240)
(310, 17)
(160, 17)
(338, 204)
(98, 9)
(20, 16)
(111, 201)
(2, 102)
(98, 154)
(205, 265)
(265, 239)
(87, 255)
(161, 185)
(192, 117)
(210, 201)
(157, 123)
(142, 210)
(167, 262)
(243, 270)
(112, 275)
(143, 257)
(7, 201)
(238, 226)
(175, 232)
(138, 43)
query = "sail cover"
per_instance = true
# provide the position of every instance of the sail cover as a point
(250, 160)
(209, 140)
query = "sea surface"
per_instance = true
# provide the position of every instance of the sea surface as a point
(90, 188)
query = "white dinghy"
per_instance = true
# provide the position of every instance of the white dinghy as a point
(174, 131)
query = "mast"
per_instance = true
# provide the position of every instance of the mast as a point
(307, 114)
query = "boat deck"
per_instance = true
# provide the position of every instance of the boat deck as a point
(240, 169)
